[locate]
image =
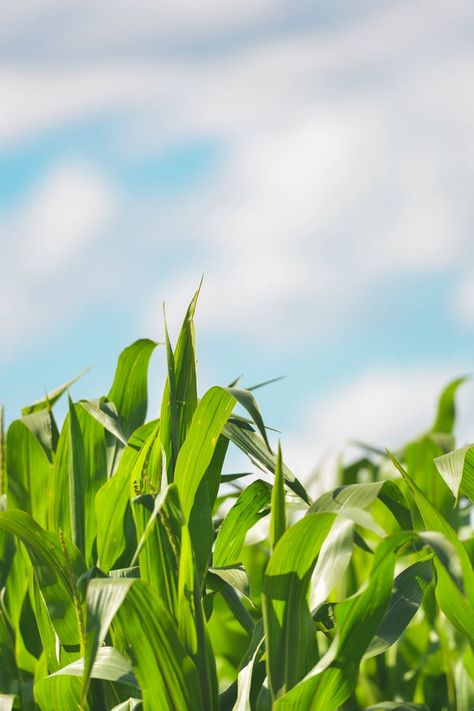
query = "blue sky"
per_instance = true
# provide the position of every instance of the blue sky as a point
(313, 160)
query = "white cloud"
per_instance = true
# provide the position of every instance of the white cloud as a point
(115, 25)
(64, 215)
(44, 246)
(463, 301)
(380, 407)
(345, 148)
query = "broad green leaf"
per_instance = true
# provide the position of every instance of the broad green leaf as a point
(201, 525)
(52, 397)
(456, 603)
(147, 469)
(129, 705)
(289, 628)
(233, 575)
(80, 469)
(28, 472)
(113, 500)
(191, 623)
(180, 393)
(77, 483)
(59, 692)
(56, 564)
(7, 701)
(363, 495)
(170, 415)
(248, 401)
(278, 510)
(332, 680)
(406, 598)
(244, 683)
(109, 665)
(333, 560)
(44, 427)
(195, 455)
(186, 595)
(227, 581)
(160, 662)
(159, 523)
(52, 654)
(8, 666)
(252, 504)
(95, 476)
(457, 470)
(103, 599)
(464, 681)
(419, 460)
(129, 391)
(446, 414)
(246, 439)
(105, 415)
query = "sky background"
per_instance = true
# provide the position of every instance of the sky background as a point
(314, 160)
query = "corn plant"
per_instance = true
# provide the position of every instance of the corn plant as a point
(137, 572)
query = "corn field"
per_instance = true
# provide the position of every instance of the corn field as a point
(136, 572)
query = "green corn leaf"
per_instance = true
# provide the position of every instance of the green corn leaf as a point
(7, 701)
(434, 521)
(129, 705)
(159, 523)
(246, 439)
(406, 598)
(109, 665)
(113, 500)
(180, 393)
(333, 561)
(244, 682)
(332, 680)
(8, 666)
(200, 523)
(160, 662)
(28, 472)
(233, 575)
(80, 469)
(129, 391)
(289, 629)
(455, 602)
(192, 625)
(446, 413)
(77, 484)
(104, 597)
(363, 495)
(56, 564)
(457, 470)
(106, 416)
(464, 681)
(278, 511)
(195, 455)
(227, 581)
(43, 425)
(170, 416)
(248, 401)
(249, 508)
(52, 397)
(59, 692)
(53, 656)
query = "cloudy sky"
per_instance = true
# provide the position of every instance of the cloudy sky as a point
(315, 161)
